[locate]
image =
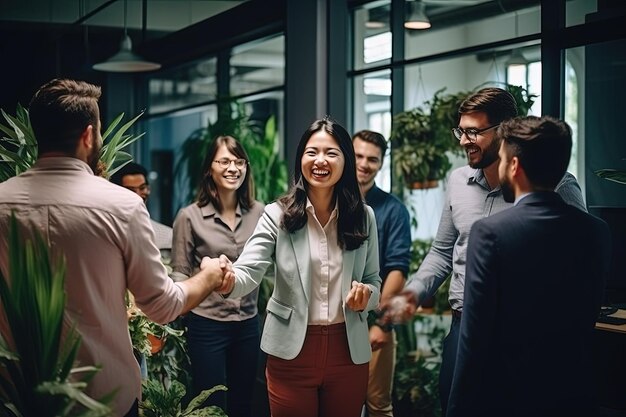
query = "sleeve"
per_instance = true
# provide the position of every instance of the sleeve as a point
(257, 256)
(182, 247)
(371, 273)
(155, 293)
(477, 322)
(397, 255)
(570, 192)
(437, 264)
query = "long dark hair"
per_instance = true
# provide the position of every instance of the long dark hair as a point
(208, 190)
(351, 227)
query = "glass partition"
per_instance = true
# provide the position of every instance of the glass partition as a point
(258, 65)
(188, 85)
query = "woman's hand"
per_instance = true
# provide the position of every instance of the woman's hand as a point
(358, 297)
(226, 267)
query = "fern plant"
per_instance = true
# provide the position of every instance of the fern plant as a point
(39, 377)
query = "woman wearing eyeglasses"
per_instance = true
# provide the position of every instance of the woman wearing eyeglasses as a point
(223, 335)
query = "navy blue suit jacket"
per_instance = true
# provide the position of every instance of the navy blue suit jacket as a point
(533, 289)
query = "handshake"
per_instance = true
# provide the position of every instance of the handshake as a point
(220, 272)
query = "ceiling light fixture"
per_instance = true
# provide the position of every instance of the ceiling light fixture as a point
(516, 58)
(417, 17)
(125, 60)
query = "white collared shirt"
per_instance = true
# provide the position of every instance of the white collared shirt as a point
(325, 305)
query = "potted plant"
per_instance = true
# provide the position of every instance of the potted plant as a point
(416, 377)
(421, 140)
(419, 158)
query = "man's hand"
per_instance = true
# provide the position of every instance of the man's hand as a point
(399, 309)
(214, 269)
(378, 337)
(358, 297)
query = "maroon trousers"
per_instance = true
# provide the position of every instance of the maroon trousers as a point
(321, 381)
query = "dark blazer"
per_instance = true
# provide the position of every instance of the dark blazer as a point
(533, 289)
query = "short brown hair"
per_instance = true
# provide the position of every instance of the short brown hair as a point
(60, 111)
(374, 138)
(543, 146)
(498, 104)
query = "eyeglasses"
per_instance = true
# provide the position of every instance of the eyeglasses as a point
(141, 189)
(225, 163)
(471, 133)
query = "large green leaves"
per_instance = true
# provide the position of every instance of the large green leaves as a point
(18, 144)
(37, 360)
(111, 154)
(160, 400)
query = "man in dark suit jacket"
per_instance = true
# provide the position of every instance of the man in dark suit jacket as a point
(533, 289)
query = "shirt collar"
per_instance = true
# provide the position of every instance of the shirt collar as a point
(311, 209)
(210, 211)
(520, 197)
(62, 162)
(477, 176)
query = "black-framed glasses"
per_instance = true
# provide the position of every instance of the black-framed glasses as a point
(225, 163)
(471, 133)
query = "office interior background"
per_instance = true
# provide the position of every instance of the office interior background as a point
(298, 60)
(353, 60)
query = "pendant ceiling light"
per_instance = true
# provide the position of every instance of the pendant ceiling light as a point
(125, 60)
(516, 58)
(417, 17)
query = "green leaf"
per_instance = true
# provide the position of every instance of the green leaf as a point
(36, 370)
(198, 400)
(612, 175)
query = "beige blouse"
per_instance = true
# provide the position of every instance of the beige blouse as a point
(200, 231)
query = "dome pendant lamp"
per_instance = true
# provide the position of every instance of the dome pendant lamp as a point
(125, 60)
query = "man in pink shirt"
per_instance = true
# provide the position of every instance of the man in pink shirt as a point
(105, 234)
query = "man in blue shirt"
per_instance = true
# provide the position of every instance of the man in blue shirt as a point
(394, 245)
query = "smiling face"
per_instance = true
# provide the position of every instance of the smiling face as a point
(323, 161)
(231, 177)
(484, 152)
(369, 161)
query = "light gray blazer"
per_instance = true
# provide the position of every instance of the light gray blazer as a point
(288, 308)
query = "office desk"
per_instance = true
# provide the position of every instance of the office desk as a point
(611, 327)
(610, 363)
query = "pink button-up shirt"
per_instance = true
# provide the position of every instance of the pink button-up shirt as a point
(104, 231)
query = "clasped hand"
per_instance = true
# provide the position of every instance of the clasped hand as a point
(358, 297)
(222, 269)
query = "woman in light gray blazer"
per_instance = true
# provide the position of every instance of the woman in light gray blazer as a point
(321, 239)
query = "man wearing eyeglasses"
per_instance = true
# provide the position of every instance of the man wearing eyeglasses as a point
(135, 178)
(473, 192)
(512, 360)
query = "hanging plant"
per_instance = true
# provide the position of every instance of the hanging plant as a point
(421, 140)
